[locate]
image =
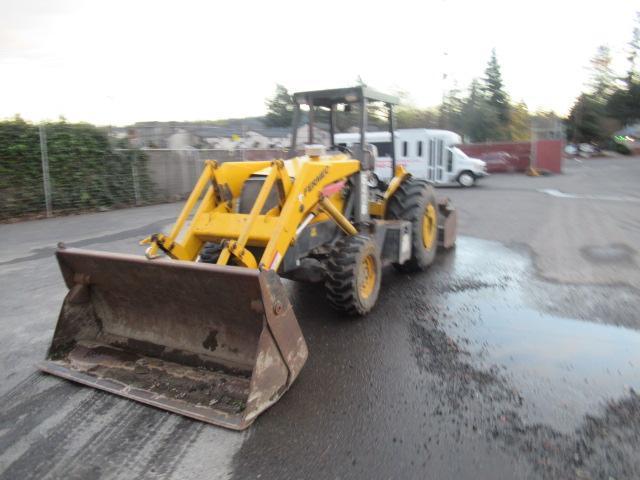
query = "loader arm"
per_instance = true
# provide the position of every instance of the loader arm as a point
(307, 197)
(214, 220)
(224, 185)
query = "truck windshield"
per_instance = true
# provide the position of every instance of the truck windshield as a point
(459, 152)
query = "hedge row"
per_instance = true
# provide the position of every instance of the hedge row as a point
(85, 171)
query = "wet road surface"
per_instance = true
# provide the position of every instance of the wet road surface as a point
(487, 366)
(436, 382)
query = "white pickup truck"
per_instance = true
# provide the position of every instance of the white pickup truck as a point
(425, 153)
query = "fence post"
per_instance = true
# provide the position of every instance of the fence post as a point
(136, 180)
(45, 169)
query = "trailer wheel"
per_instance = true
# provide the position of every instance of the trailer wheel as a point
(415, 201)
(353, 275)
(466, 179)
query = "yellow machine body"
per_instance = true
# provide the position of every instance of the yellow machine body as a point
(216, 339)
(299, 183)
(219, 343)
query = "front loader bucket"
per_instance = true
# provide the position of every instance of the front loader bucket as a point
(216, 343)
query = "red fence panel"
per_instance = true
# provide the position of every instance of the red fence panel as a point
(516, 158)
(549, 155)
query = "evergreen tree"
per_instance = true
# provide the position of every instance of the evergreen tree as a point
(584, 122)
(479, 120)
(624, 103)
(493, 88)
(279, 108)
(520, 125)
(590, 117)
(634, 52)
(412, 117)
(602, 80)
(451, 110)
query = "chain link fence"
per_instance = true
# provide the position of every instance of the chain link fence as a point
(61, 168)
(173, 173)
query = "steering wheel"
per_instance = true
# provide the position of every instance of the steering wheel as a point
(343, 149)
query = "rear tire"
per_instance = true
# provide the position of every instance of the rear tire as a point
(415, 201)
(353, 275)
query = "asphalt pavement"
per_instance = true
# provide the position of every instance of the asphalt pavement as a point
(516, 356)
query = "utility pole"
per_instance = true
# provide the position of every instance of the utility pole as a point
(45, 169)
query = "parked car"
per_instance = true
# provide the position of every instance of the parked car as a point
(587, 150)
(499, 162)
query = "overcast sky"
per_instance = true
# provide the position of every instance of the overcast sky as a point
(117, 62)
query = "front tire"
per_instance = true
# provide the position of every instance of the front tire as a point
(466, 179)
(415, 201)
(353, 275)
(210, 253)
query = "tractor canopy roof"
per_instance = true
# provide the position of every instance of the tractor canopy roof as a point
(326, 98)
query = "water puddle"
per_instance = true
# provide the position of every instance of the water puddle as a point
(563, 368)
(612, 198)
